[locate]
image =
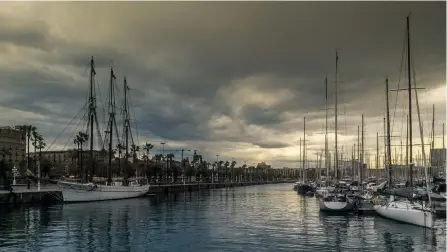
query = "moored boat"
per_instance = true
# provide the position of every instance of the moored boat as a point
(336, 203)
(83, 192)
(406, 211)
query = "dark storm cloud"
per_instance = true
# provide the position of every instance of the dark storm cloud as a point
(271, 145)
(179, 57)
(259, 116)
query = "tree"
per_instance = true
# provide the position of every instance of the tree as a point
(40, 145)
(157, 168)
(81, 139)
(147, 147)
(4, 168)
(233, 164)
(220, 171)
(172, 167)
(35, 139)
(226, 173)
(120, 147)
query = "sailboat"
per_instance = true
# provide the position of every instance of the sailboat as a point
(90, 191)
(304, 188)
(324, 188)
(336, 202)
(404, 210)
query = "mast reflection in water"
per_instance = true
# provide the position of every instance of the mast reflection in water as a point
(257, 218)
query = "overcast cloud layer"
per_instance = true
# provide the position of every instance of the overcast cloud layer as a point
(229, 78)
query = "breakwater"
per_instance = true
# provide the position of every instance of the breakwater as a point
(53, 194)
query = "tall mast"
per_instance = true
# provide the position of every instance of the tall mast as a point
(409, 101)
(358, 153)
(92, 113)
(112, 121)
(353, 162)
(336, 116)
(443, 129)
(432, 139)
(406, 150)
(304, 151)
(326, 156)
(388, 140)
(377, 150)
(126, 128)
(433, 128)
(363, 154)
(301, 162)
(385, 166)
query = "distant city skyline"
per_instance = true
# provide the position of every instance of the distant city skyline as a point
(233, 79)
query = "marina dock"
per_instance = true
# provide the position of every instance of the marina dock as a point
(52, 193)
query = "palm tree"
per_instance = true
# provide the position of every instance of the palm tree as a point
(147, 147)
(40, 145)
(133, 150)
(120, 147)
(171, 156)
(35, 139)
(158, 157)
(82, 138)
(226, 164)
(233, 164)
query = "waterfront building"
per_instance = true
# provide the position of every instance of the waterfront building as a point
(12, 145)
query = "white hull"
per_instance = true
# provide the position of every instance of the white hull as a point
(334, 206)
(406, 212)
(76, 192)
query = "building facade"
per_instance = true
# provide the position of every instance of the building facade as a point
(70, 156)
(12, 145)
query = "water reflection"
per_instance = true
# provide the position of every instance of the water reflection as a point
(256, 218)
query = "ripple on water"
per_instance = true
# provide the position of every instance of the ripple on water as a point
(256, 218)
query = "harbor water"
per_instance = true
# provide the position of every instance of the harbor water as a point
(254, 218)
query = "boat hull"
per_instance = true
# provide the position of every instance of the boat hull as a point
(334, 206)
(303, 189)
(406, 215)
(74, 192)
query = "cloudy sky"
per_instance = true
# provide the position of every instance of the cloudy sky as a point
(226, 78)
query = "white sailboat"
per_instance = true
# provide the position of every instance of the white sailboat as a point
(405, 211)
(333, 202)
(336, 203)
(84, 192)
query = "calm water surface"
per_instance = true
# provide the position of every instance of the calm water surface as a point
(256, 218)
